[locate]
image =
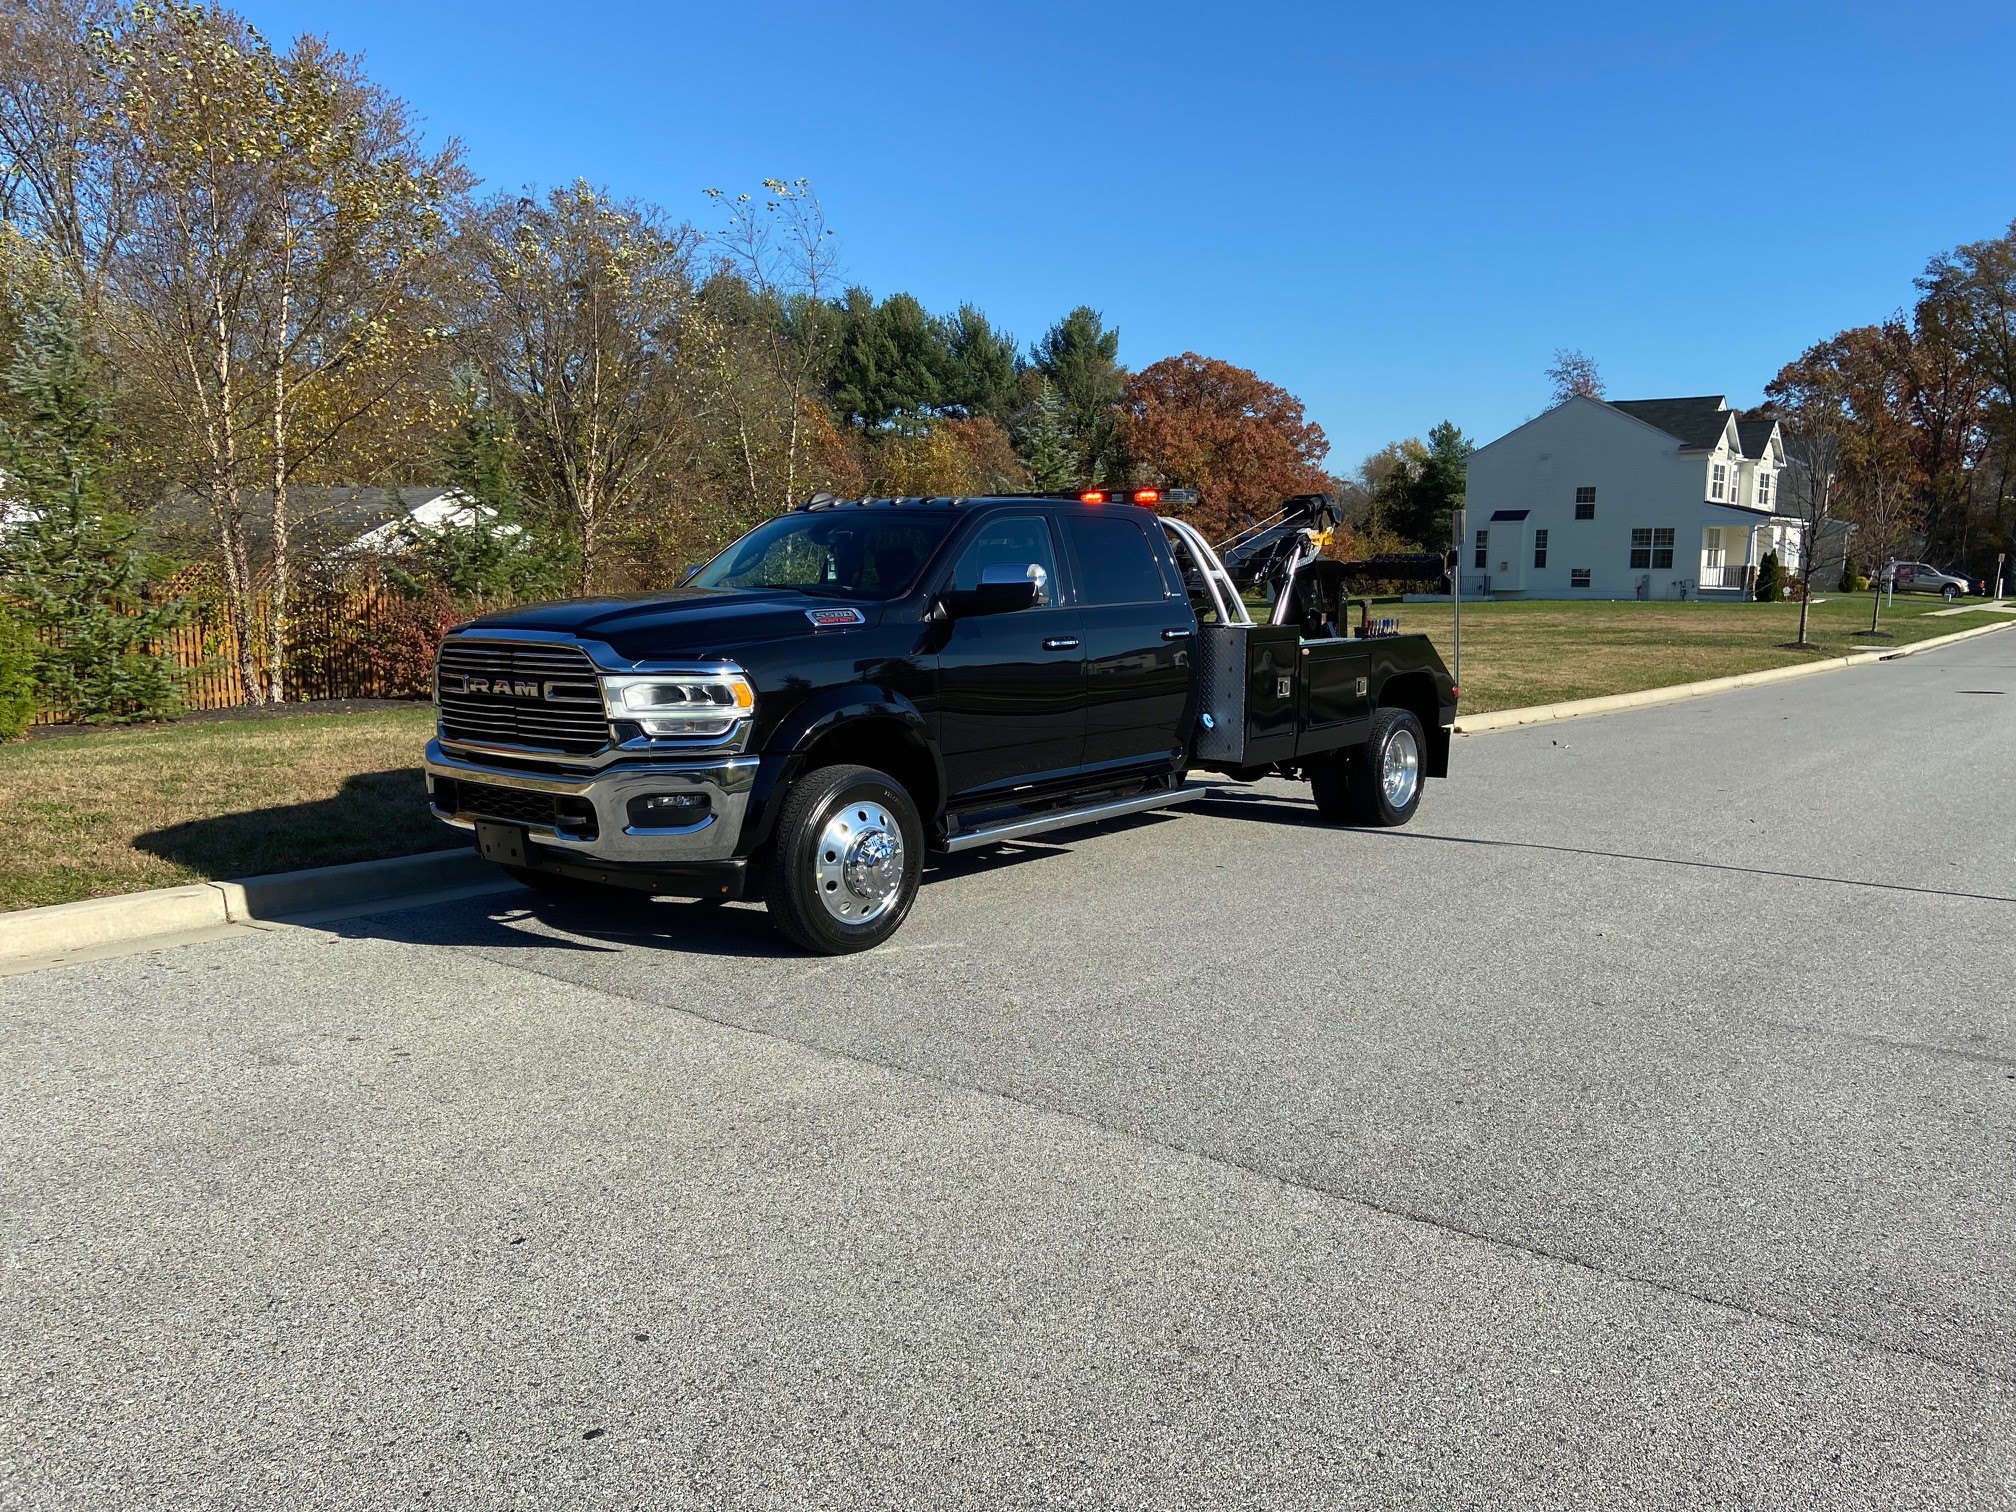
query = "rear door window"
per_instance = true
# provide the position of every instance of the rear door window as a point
(1116, 565)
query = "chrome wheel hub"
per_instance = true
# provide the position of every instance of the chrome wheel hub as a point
(1400, 774)
(857, 867)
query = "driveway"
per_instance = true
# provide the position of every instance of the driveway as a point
(1638, 1129)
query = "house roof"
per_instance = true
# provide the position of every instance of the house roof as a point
(1695, 422)
(1509, 514)
(323, 518)
(1755, 434)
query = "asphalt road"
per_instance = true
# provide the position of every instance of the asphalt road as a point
(1638, 1129)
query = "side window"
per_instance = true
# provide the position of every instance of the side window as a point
(1022, 542)
(1539, 548)
(1116, 565)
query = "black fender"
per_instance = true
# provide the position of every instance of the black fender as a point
(789, 746)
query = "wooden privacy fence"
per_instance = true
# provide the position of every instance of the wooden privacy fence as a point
(350, 634)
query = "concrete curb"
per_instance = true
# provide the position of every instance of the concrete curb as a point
(65, 928)
(1579, 708)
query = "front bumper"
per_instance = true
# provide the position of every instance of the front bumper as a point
(588, 813)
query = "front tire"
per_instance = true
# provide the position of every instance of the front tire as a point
(1949, 593)
(1377, 784)
(845, 865)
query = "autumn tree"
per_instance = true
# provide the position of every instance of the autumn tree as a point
(1856, 388)
(950, 459)
(196, 114)
(1573, 376)
(1243, 443)
(1965, 393)
(65, 176)
(576, 323)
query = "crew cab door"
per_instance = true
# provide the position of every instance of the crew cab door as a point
(1011, 698)
(1140, 634)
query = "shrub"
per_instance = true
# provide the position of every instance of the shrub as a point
(1853, 581)
(1770, 579)
(17, 676)
(403, 637)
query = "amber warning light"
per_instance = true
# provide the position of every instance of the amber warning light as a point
(1138, 496)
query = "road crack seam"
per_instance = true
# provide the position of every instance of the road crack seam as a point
(1355, 1199)
(1723, 866)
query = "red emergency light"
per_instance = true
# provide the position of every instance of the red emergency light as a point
(1108, 495)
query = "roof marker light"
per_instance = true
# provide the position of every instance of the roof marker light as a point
(1093, 496)
(1147, 495)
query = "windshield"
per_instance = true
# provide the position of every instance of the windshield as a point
(856, 554)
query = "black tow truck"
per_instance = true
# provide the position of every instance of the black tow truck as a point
(858, 683)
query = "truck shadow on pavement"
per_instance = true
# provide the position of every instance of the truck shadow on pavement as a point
(1260, 808)
(613, 920)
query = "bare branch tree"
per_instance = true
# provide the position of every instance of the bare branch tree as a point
(1574, 376)
(577, 323)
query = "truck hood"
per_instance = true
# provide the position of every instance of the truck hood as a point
(701, 623)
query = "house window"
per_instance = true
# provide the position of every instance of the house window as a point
(1539, 548)
(1662, 550)
(1718, 479)
(1578, 577)
(1585, 503)
(1763, 489)
(1641, 548)
(1483, 550)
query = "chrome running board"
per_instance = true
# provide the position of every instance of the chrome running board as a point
(1042, 824)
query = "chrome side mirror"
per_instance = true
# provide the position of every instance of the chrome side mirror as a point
(1006, 575)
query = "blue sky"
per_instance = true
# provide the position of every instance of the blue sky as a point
(1398, 211)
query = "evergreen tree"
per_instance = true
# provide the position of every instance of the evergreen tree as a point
(494, 556)
(1080, 357)
(71, 564)
(1435, 491)
(17, 676)
(980, 378)
(1770, 579)
(892, 363)
(1046, 449)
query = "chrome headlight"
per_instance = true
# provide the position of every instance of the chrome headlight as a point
(680, 704)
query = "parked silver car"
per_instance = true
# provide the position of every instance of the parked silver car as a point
(1919, 577)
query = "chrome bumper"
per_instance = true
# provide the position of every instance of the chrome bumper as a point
(724, 782)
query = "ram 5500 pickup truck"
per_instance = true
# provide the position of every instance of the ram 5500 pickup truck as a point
(858, 683)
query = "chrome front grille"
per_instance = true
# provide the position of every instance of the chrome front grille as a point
(552, 700)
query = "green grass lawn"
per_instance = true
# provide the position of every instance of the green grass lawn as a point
(118, 810)
(115, 811)
(1519, 653)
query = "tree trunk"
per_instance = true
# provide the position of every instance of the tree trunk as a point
(229, 511)
(277, 628)
(1805, 600)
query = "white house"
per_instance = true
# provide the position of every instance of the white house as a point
(1628, 498)
(444, 509)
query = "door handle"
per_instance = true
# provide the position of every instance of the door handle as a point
(1061, 643)
(1175, 635)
